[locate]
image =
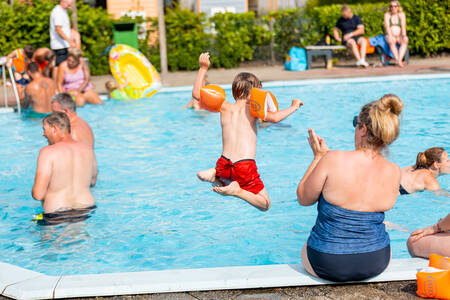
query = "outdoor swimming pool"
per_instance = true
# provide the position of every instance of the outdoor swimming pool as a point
(154, 214)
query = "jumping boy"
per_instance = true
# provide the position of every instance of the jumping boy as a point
(236, 173)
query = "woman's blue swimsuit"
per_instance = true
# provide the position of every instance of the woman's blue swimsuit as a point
(348, 245)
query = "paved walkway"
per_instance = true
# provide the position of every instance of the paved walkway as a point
(405, 290)
(276, 72)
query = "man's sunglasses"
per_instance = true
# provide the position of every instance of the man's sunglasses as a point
(355, 121)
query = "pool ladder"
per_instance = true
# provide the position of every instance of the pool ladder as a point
(13, 81)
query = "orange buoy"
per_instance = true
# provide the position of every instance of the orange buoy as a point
(434, 281)
(439, 262)
(433, 284)
(212, 97)
(261, 102)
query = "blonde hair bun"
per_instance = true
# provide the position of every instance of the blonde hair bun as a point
(390, 103)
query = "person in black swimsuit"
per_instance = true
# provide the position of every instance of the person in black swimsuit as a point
(352, 29)
(430, 164)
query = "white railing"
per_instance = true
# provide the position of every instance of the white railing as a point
(13, 81)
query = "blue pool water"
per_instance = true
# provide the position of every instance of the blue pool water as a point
(154, 214)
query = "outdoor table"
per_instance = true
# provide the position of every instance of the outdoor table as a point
(326, 50)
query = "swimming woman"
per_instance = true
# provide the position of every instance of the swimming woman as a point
(353, 189)
(422, 176)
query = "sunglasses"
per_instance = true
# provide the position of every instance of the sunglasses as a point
(355, 121)
(391, 6)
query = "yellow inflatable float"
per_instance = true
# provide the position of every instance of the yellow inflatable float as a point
(129, 66)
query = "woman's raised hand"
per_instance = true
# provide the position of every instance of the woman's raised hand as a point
(318, 145)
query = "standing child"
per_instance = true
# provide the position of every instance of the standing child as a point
(236, 173)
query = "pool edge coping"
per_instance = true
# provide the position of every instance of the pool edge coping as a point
(286, 83)
(20, 283)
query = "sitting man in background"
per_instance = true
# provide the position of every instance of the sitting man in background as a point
(65, 171)
(431, 239)
(38, 93)
(80, 129)
(352, 29)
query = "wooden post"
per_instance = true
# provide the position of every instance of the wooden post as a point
(199, 10)
(74, 16)
(162, 41)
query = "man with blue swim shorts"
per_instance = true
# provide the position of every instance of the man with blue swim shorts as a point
(65, 171)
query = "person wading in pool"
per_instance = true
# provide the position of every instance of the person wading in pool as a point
(353, 189)
(80, 129)
(236, 172)
(422, 176)
(65, 169)
(38, 92)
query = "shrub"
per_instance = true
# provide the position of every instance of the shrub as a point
(292, 28)
(428, 24)
(236, 38)
(185, 37)
(95, 27)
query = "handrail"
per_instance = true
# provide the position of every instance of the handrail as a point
(11, 76)
(13, 81)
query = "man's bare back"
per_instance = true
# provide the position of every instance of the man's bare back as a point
(66, 169)
(39, 92)
(81, 131)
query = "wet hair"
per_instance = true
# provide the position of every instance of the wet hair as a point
(49, 55)
(111, 85)
(65, 101)
(75, 53)
(33, 67)
(243, 84)
(29, 51)
(345, 7)
(381, 118)
(59, 119)
(427, 158)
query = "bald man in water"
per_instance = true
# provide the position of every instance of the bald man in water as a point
(80, 129)
(65, 169)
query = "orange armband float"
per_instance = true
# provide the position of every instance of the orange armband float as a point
(212, 97)
(434, 281)
(261, 102)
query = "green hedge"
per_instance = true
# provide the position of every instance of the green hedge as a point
(23, 24)
(236, 37)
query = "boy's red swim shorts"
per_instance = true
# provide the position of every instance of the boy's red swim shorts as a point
(243, 171)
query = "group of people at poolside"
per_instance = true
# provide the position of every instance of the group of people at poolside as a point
(40, 74)
(352, 29)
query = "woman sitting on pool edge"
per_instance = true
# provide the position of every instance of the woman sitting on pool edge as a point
(353, 189)
(74, 78)
(422, 176)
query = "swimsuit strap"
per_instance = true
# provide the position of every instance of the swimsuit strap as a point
(391, 23)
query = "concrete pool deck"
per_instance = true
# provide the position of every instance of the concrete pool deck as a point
(19, 283)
